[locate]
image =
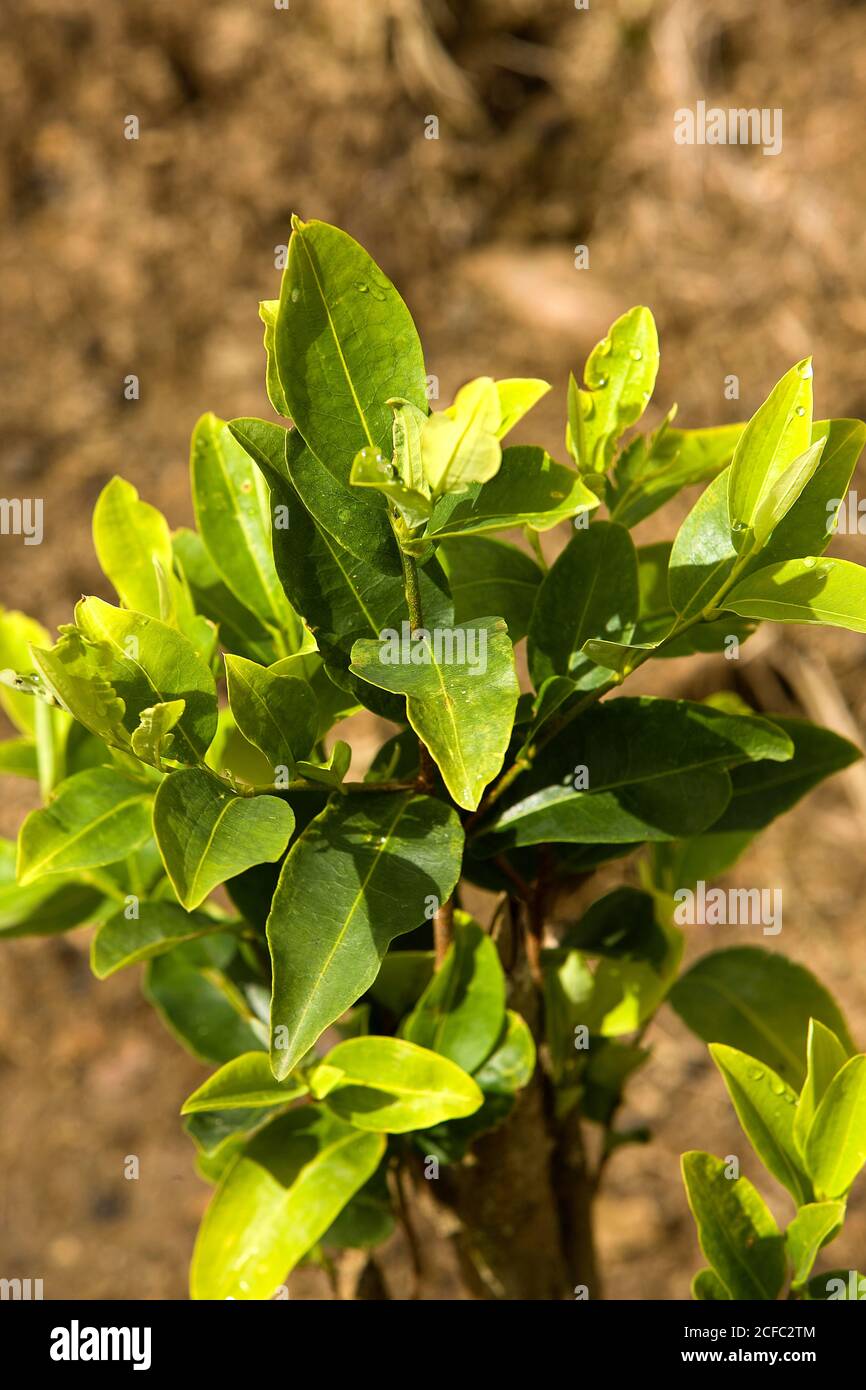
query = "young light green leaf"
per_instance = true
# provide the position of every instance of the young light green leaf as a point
(460, 445)
(332, 772)
(778, 500)
(811, 1228)
(268, 310)
(371, 469)
(245, 1083)
(776, 435)
(808, 527)
(703, 553)
(131, 539)
(765, 1107)
(809, 590)
(345, 345)
(118, 664)
(517, 396)
(759, 1002)
(277, 1201)
(93, 818)
(461, 689)
(619, 376)
(529, 490)
(156, 928)
(835, 1148)
(392, 1086)
(277, 714)
(487, 576)
(363, 871)
(17, 632)
(825, 1056)
(735, 1229)
(206, 833)
(461, 1012)
(591, 591)
(152, 740)
(233, 514)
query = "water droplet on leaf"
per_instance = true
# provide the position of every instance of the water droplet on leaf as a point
(809, 562)
(806, 371)
(635, 354)
(801, 410)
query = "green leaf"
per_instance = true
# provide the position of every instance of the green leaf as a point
(707, 1287)
(332, 772)
(488, 576)
(371, 469)
(239, 629)
(403, 976)
(460, 445)
(461, 689)
(776, 435)
(777, 502)
(654, 770)
(345, 345)
(132, 542)
(156, 928)
(206, 833)
(652, 470)
(529, 490)
(19, 758)
(511, 1063)
(835, 1148)
(737, 1234)
(366, 1221)
(619, 375)
(277, 1201)
(268, 310)
(825, 1056)
(461, 1012)
(759, 1002)
(811, 1228)
(391, 1086)
(153, 740)
(233, 514)
(765, 1107)
(53, 905)
(808, 590)
(808, 527)
(17, 632)
(703, 553)
(591, 590)
(517, 396)
(199, 1004)
(364, 871)
(354, 519)
(245, 1083)
(93, 818)
(144, 663)
(763, 790)
(277, 714)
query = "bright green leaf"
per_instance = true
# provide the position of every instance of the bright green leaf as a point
(392, 1086)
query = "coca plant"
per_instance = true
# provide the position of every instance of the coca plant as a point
(308, 935)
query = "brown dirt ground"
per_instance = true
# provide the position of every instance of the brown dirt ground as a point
(148, 257)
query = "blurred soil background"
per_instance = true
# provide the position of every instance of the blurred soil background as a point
(148, 257)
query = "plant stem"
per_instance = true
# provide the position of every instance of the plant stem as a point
(443, 930)
(412, 588)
